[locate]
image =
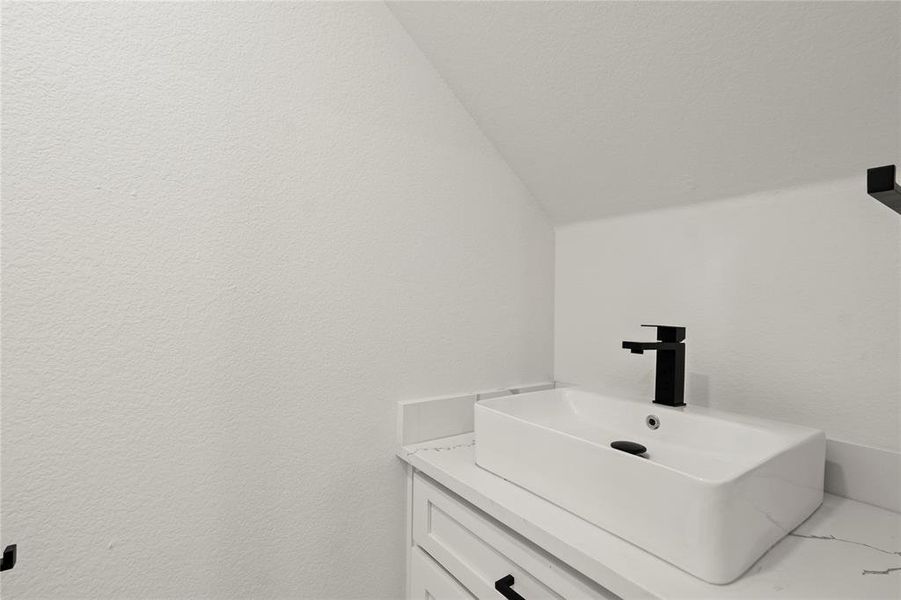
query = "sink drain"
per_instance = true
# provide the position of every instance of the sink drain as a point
(629, 447)
(652, 421)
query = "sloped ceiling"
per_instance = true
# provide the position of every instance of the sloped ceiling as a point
(605, 108)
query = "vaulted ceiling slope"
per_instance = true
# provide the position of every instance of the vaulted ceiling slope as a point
(605, 108)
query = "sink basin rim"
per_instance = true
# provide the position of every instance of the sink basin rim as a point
(799, 432)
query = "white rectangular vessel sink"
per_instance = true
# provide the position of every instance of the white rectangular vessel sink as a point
(713, 492)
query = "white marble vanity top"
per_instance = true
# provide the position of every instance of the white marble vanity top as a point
(846, 549)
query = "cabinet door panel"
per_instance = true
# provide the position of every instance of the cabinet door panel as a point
(428, 581)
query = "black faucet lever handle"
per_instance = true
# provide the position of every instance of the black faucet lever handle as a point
(669, 333)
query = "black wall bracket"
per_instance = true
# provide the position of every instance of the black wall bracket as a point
(881, 185)
(9, 558)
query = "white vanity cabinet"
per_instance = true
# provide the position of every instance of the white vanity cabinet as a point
(457, 551)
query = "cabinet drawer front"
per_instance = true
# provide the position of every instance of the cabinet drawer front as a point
(478, 551)
(428, 581)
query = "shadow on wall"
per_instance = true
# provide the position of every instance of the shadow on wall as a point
(699, 389)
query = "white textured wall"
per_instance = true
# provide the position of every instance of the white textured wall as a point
(233, 236)
(790, 299)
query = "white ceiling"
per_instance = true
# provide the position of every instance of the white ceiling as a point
(605, 108)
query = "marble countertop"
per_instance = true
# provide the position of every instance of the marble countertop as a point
(846, 549)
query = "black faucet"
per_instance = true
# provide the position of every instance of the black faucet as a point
(670, 383)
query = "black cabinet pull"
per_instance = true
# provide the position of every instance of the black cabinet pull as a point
(505, 586)
(9, 558)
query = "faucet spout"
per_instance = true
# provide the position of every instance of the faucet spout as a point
(640, 347)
